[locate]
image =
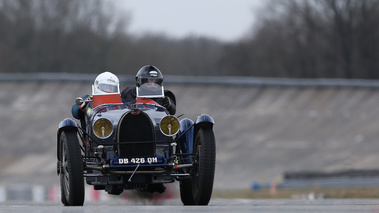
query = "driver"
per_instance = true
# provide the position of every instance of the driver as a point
(150, 78)
(104, 83)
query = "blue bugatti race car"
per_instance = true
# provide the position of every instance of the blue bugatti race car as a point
(135, 146)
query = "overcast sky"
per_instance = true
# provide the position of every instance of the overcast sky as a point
(226, 20)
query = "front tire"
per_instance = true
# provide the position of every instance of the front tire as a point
(186, 194)
(71, 176)
(198, 189)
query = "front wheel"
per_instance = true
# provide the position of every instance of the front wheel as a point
(71, 176)
(198, 189)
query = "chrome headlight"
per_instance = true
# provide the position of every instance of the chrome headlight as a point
(169, 125)
(103, 128)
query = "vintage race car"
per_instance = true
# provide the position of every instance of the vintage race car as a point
(135, 146)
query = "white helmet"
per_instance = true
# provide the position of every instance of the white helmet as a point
(105, 83)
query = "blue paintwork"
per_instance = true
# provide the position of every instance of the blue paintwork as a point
(114, 113)
(204, 118)
(186, 141)
(68, 122)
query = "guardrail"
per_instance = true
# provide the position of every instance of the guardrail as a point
(332, 182)
(335, 179)
(201, 80)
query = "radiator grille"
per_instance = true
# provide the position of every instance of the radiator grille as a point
(135, 128)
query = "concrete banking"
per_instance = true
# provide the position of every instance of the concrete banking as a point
(261, 131)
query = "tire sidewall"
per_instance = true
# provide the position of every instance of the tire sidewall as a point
(202, 182)
(70, 147)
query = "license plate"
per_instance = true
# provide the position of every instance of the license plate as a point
(143, 160)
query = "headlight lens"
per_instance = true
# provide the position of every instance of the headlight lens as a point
(103, 128)
(169, 125)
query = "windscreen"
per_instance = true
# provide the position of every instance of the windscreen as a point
(150, 90)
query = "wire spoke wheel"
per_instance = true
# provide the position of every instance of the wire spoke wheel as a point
(198, 189)
(71, 176)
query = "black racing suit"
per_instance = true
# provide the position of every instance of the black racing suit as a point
(130, 94)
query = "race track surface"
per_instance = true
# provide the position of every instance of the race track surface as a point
(220, 206)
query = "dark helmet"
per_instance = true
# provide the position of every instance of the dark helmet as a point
(149, 73)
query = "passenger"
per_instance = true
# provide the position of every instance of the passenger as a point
(149, 80)
(104, 83)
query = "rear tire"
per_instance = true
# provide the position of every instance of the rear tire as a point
(71, 176)
(198, 189)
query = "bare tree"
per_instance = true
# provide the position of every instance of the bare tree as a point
(56, 36)
(315, 38)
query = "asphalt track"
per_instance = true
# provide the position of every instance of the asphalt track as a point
(219, 206)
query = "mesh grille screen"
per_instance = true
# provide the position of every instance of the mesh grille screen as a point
(133, 128)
